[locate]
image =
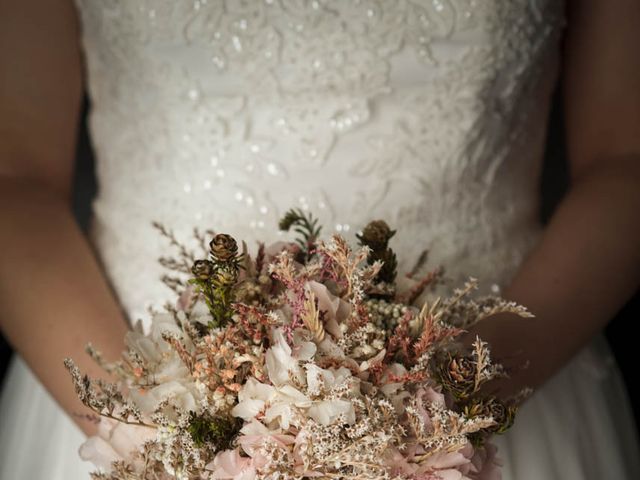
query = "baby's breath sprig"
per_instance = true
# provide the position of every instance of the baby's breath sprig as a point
(215, 278)
(305, 225)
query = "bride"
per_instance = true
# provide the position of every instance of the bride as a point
(430, 114)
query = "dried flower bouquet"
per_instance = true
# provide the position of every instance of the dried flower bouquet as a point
(308, 360)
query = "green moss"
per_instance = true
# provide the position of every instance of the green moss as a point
(218, 431)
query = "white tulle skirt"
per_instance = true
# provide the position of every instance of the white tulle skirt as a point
(578, 426)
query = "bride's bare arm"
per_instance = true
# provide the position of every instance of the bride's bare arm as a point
(587, 264)
(54, 297)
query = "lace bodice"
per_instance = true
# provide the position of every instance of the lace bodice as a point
(430, 114)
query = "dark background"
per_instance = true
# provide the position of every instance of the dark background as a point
(553, 187)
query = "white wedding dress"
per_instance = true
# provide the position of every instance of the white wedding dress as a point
(430, 114)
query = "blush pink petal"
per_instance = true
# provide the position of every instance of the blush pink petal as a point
(229, 465)
(487, 464)
(336, 308)
(114, 441)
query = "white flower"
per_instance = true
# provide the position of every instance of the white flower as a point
(325, 412)
(151, 346)
(252, 399)
(337, 309)
(287, 403)
(330, 378)
(397, 370)
(379, 357)
(279, 404)
(255, 435)
(254, 427)
(114, 441)
(330, 349)
(303, 350)
(200, 312)
(316, 378)
(283, 403)
(280, 362)
(184, 395)
(167, 370)
(395, 391)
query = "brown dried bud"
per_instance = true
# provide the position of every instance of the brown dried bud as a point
(376, 235)
(223, 247)
(458, 375)
(501, 413)
(225, 277)
(388, 271)
(202, 269)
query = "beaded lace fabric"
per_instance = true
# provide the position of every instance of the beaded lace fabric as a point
(223, 114)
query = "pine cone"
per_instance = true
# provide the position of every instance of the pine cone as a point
(388, 271)
(202, 269)
(502, 414)
(223, 247)
(376, 235)
(457, 375)
(225, 277)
